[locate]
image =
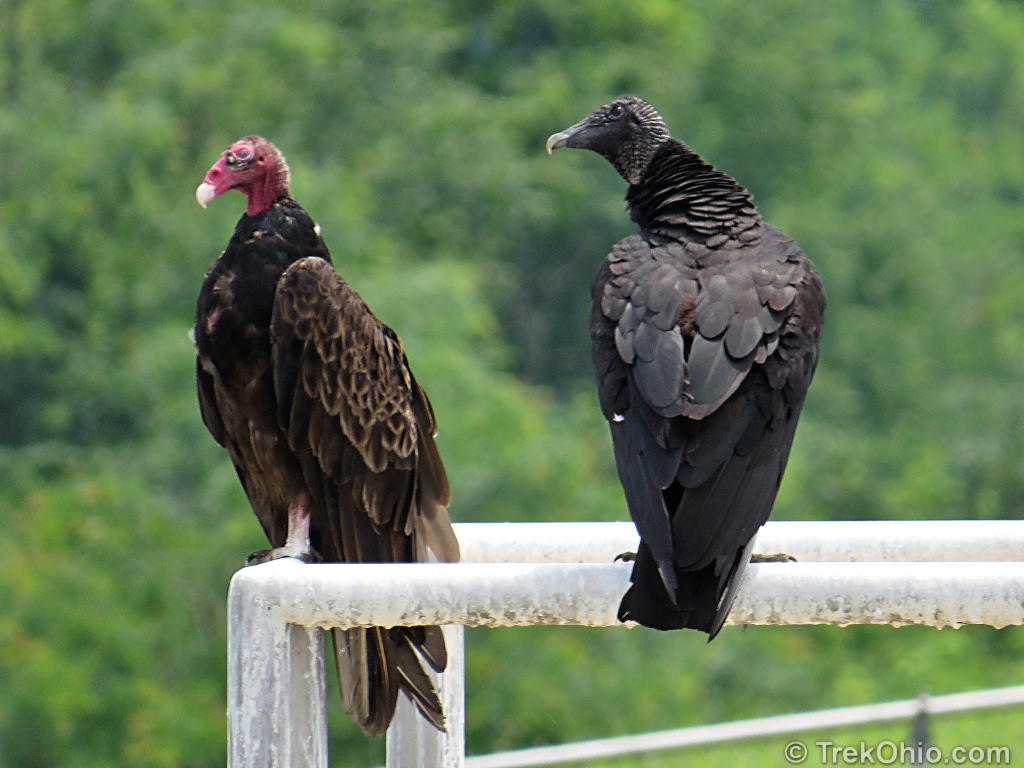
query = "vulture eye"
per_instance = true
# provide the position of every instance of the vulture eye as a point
(238, 156)
(616, 110)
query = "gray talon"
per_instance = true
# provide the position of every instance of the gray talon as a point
(266, 555)
(776, 557)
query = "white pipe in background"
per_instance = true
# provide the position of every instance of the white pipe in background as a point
(807, 541)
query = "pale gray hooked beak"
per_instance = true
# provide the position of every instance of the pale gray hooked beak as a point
(557, 141)
(205, 193)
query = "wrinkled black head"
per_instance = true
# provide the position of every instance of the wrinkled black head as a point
(626, 131)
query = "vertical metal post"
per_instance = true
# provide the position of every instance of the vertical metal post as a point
(920, 733)
(414, 742)
(277, 716)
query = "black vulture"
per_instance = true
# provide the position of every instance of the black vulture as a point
(705, 328)
(332, 438)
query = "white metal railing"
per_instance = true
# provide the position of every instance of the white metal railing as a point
(276, 687)
(815, 541)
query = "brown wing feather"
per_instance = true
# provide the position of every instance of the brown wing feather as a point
(349, 404)
(352, 365)
(344, 384)
(205, 389)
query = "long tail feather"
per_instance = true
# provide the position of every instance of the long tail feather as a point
(374, 664)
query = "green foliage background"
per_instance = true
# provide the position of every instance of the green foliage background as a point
(884, 135)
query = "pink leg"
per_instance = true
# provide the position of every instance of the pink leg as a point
(298, 525)
(297, 544)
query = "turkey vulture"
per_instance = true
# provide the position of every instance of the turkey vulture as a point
(332, 438)
(704, 328)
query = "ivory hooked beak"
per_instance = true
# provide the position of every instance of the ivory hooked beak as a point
(205, 193)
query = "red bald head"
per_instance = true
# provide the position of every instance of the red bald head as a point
(251, 165)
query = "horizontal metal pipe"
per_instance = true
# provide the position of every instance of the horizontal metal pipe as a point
(761, 727)
(520, 594)
(807, 541)
(895, 540)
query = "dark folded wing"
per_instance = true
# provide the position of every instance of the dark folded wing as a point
(347, 399)
(703, 363)
(208, 402)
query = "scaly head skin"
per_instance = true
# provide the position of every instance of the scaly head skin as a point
(251, 165)
(626, 131)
